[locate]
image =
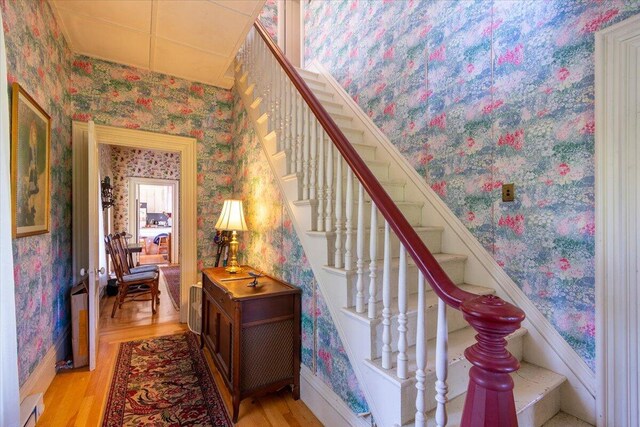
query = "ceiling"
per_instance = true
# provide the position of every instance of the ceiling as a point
(193, 39)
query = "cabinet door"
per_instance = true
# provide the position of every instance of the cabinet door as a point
(225, 344)
(210, 322)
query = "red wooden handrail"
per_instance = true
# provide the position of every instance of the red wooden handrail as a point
(493, 318)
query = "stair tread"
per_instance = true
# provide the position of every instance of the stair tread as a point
(431, 300)
(440, 257)
(304, 73)
(562, 419)
(397, 202)
(458, 342)
(531, 384)
(421, 228)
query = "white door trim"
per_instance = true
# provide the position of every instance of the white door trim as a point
(617, 151)
(187, 148)
(133, 194)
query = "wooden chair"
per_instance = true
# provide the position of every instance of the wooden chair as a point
(122, 243)
(131, 286)
(164, 246)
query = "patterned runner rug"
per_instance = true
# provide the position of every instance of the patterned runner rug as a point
(172, 278)
(164, 381)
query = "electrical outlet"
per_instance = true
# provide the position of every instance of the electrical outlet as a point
(508, 192)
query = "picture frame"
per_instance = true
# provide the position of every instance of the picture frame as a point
(30, 146)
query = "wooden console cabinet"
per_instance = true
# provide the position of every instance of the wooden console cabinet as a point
(252, 333)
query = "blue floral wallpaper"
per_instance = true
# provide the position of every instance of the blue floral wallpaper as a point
(39, 59)
(480, 93)
(272, 245)
(269, 18)
(122, 96)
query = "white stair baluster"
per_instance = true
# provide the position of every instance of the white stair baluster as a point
(402, 358)
(442, 361)
(328, 175)
(272, 91)
(312, 157)
(386, 301)
(305, 152)
(348, 225)
(299, 122)
(360, 252)
(292, 128)
(421, 357)
(338, 245)
(280, 99)
(373, 262)
(321, 187)
(287, 125)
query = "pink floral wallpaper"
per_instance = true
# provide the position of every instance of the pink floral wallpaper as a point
(122, 96)
(39, 59)
(129, 163)
(271, 244)
(269, 18)
(480, 93)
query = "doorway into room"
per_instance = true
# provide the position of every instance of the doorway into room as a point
(154, 209)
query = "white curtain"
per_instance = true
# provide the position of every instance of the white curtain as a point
(9, 389)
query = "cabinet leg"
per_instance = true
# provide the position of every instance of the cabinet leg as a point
(236, 408)
(295, 390)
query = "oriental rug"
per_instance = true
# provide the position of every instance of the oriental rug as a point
(164, 381)
(171, 275)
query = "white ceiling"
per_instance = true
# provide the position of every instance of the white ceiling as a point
(193, 39)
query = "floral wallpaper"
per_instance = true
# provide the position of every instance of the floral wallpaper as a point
(269, 18)
(122, 96)
(271, 244)
(130, 162)
(39, 59)
(480, 93)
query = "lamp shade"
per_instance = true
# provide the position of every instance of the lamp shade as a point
(232, 217)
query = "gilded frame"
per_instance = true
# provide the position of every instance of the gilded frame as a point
(30, 171)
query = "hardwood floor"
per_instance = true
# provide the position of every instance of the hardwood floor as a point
(78, 397)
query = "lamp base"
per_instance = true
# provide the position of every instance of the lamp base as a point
(233, 266)
(233, 269)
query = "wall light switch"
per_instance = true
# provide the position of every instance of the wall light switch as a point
(508, 192)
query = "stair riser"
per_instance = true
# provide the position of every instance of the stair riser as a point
(353, 135)
(454, 269)
(455, 322)
(542, 411)
(457, 380)
(413, 214)
(314, 84)
(431, 238)
(324, 96)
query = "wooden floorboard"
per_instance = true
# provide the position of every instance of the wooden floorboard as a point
(77, 397)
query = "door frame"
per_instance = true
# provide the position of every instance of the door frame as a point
(187, 148)
(135, 181)
(617, 207)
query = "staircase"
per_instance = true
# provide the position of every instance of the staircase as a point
(406, 345)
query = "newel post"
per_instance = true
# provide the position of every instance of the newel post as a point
(489, 400)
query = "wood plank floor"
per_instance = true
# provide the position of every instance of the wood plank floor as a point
(78, 397)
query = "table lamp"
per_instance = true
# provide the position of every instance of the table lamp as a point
(232, 219)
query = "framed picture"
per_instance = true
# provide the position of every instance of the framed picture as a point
(30, 141)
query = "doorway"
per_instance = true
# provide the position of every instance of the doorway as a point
(154, 211)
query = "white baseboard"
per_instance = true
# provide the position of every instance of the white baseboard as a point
(42, 376)
(325, 404)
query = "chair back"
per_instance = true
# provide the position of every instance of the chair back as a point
(121, 247)
(110, 242)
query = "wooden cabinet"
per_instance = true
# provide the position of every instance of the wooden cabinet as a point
(252, 333)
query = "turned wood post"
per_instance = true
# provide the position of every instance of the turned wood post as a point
(489, 400)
